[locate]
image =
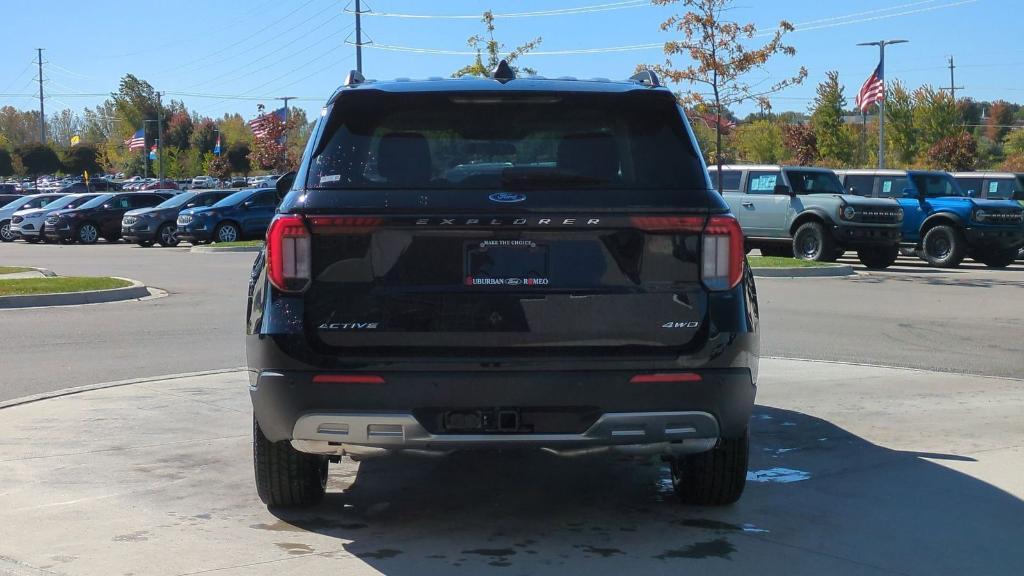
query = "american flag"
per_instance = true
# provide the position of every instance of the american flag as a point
(873, 91)
(138, 141)
(261, 124)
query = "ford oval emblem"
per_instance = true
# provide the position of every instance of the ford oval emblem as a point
(507, 197)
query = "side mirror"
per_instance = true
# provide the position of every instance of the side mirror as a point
(248, 204)
(284, 184)
(971, 193)
(852, 190)
(783, 189)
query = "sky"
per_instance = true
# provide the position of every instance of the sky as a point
(220, 59)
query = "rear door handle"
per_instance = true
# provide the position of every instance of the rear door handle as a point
(748, 204)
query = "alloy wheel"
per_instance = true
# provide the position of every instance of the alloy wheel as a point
(88, 233)
(5, 232)
(227, 233)
(167, 235)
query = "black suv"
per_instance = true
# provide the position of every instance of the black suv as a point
(97, 218)
(592, 295)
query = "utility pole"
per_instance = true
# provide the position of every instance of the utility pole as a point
(160, 134)
(358, 38)
(952, 83)
(42, 114)
(286, 99)
(881, 103)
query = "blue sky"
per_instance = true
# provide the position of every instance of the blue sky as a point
(195, 49)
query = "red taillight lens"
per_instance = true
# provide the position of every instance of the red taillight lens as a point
(668, 223)
(346, 379)
(722, 258)
(288, 254)
(344, 224)
(669, 377)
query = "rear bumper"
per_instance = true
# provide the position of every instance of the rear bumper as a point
(866, 235)
(290, 406)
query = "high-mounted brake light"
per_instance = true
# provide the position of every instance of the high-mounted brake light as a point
(722, 257)
(288, 253)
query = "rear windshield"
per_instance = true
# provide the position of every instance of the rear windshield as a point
(814, 182)
(482, 140)
(1003, 188)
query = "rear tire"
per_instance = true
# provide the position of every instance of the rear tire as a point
(285, 477)
(943, 247)
(998, 258)
(715, 477)
(878, 257)
(813, 242)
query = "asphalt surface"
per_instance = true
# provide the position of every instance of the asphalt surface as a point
(966, 320)
(853, 471)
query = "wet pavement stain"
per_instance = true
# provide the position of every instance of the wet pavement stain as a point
(132, 537)
(525, 543)
(294, 547)
(499, 553)
(602, 552)
(718, 548)
(382, 554)
(708, 524)
(203, 516)
(312, 524)
(437, 556)
(500, 563)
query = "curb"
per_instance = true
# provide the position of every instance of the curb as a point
(806, 272)
(226, 249)
(134, 292)
(116, 383)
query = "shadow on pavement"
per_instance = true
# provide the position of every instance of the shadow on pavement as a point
(826, 501)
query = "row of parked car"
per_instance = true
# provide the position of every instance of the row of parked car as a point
(819, 214)
(164, 217)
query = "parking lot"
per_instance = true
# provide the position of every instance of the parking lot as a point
(855, 469)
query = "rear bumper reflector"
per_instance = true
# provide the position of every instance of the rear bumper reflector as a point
(346, 379)
(659, 378)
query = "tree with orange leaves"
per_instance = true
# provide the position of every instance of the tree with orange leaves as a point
(720, 60)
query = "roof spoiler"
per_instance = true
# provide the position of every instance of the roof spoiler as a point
(646, 77)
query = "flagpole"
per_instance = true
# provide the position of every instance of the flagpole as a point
(881, 103)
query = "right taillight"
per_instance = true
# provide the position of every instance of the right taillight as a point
(722, 257)
(288, 253)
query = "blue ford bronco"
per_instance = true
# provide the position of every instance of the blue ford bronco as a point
(942, 223)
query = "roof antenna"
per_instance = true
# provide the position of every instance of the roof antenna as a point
(503, 72)
(647, 77)
(353, 78)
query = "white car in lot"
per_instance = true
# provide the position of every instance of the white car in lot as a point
(24, 203)
(205, 182)
(28, 224)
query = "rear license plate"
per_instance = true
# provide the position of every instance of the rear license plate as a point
(506, 263)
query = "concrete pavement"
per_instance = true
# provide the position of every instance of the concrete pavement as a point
(859, 470)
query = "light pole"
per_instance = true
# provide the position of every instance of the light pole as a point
(881, 103)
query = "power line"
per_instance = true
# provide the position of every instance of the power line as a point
(220, 52)
(837, 21)
(554, 12)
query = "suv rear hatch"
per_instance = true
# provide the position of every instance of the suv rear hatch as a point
(504, 223)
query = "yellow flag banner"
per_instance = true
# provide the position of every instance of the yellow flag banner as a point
(75, 140)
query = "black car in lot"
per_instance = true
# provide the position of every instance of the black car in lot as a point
(97, 218)
(243, 215)
(144, 226)
(591, 296)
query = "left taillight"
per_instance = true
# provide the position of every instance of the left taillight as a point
(722, 258)
(288, 253)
